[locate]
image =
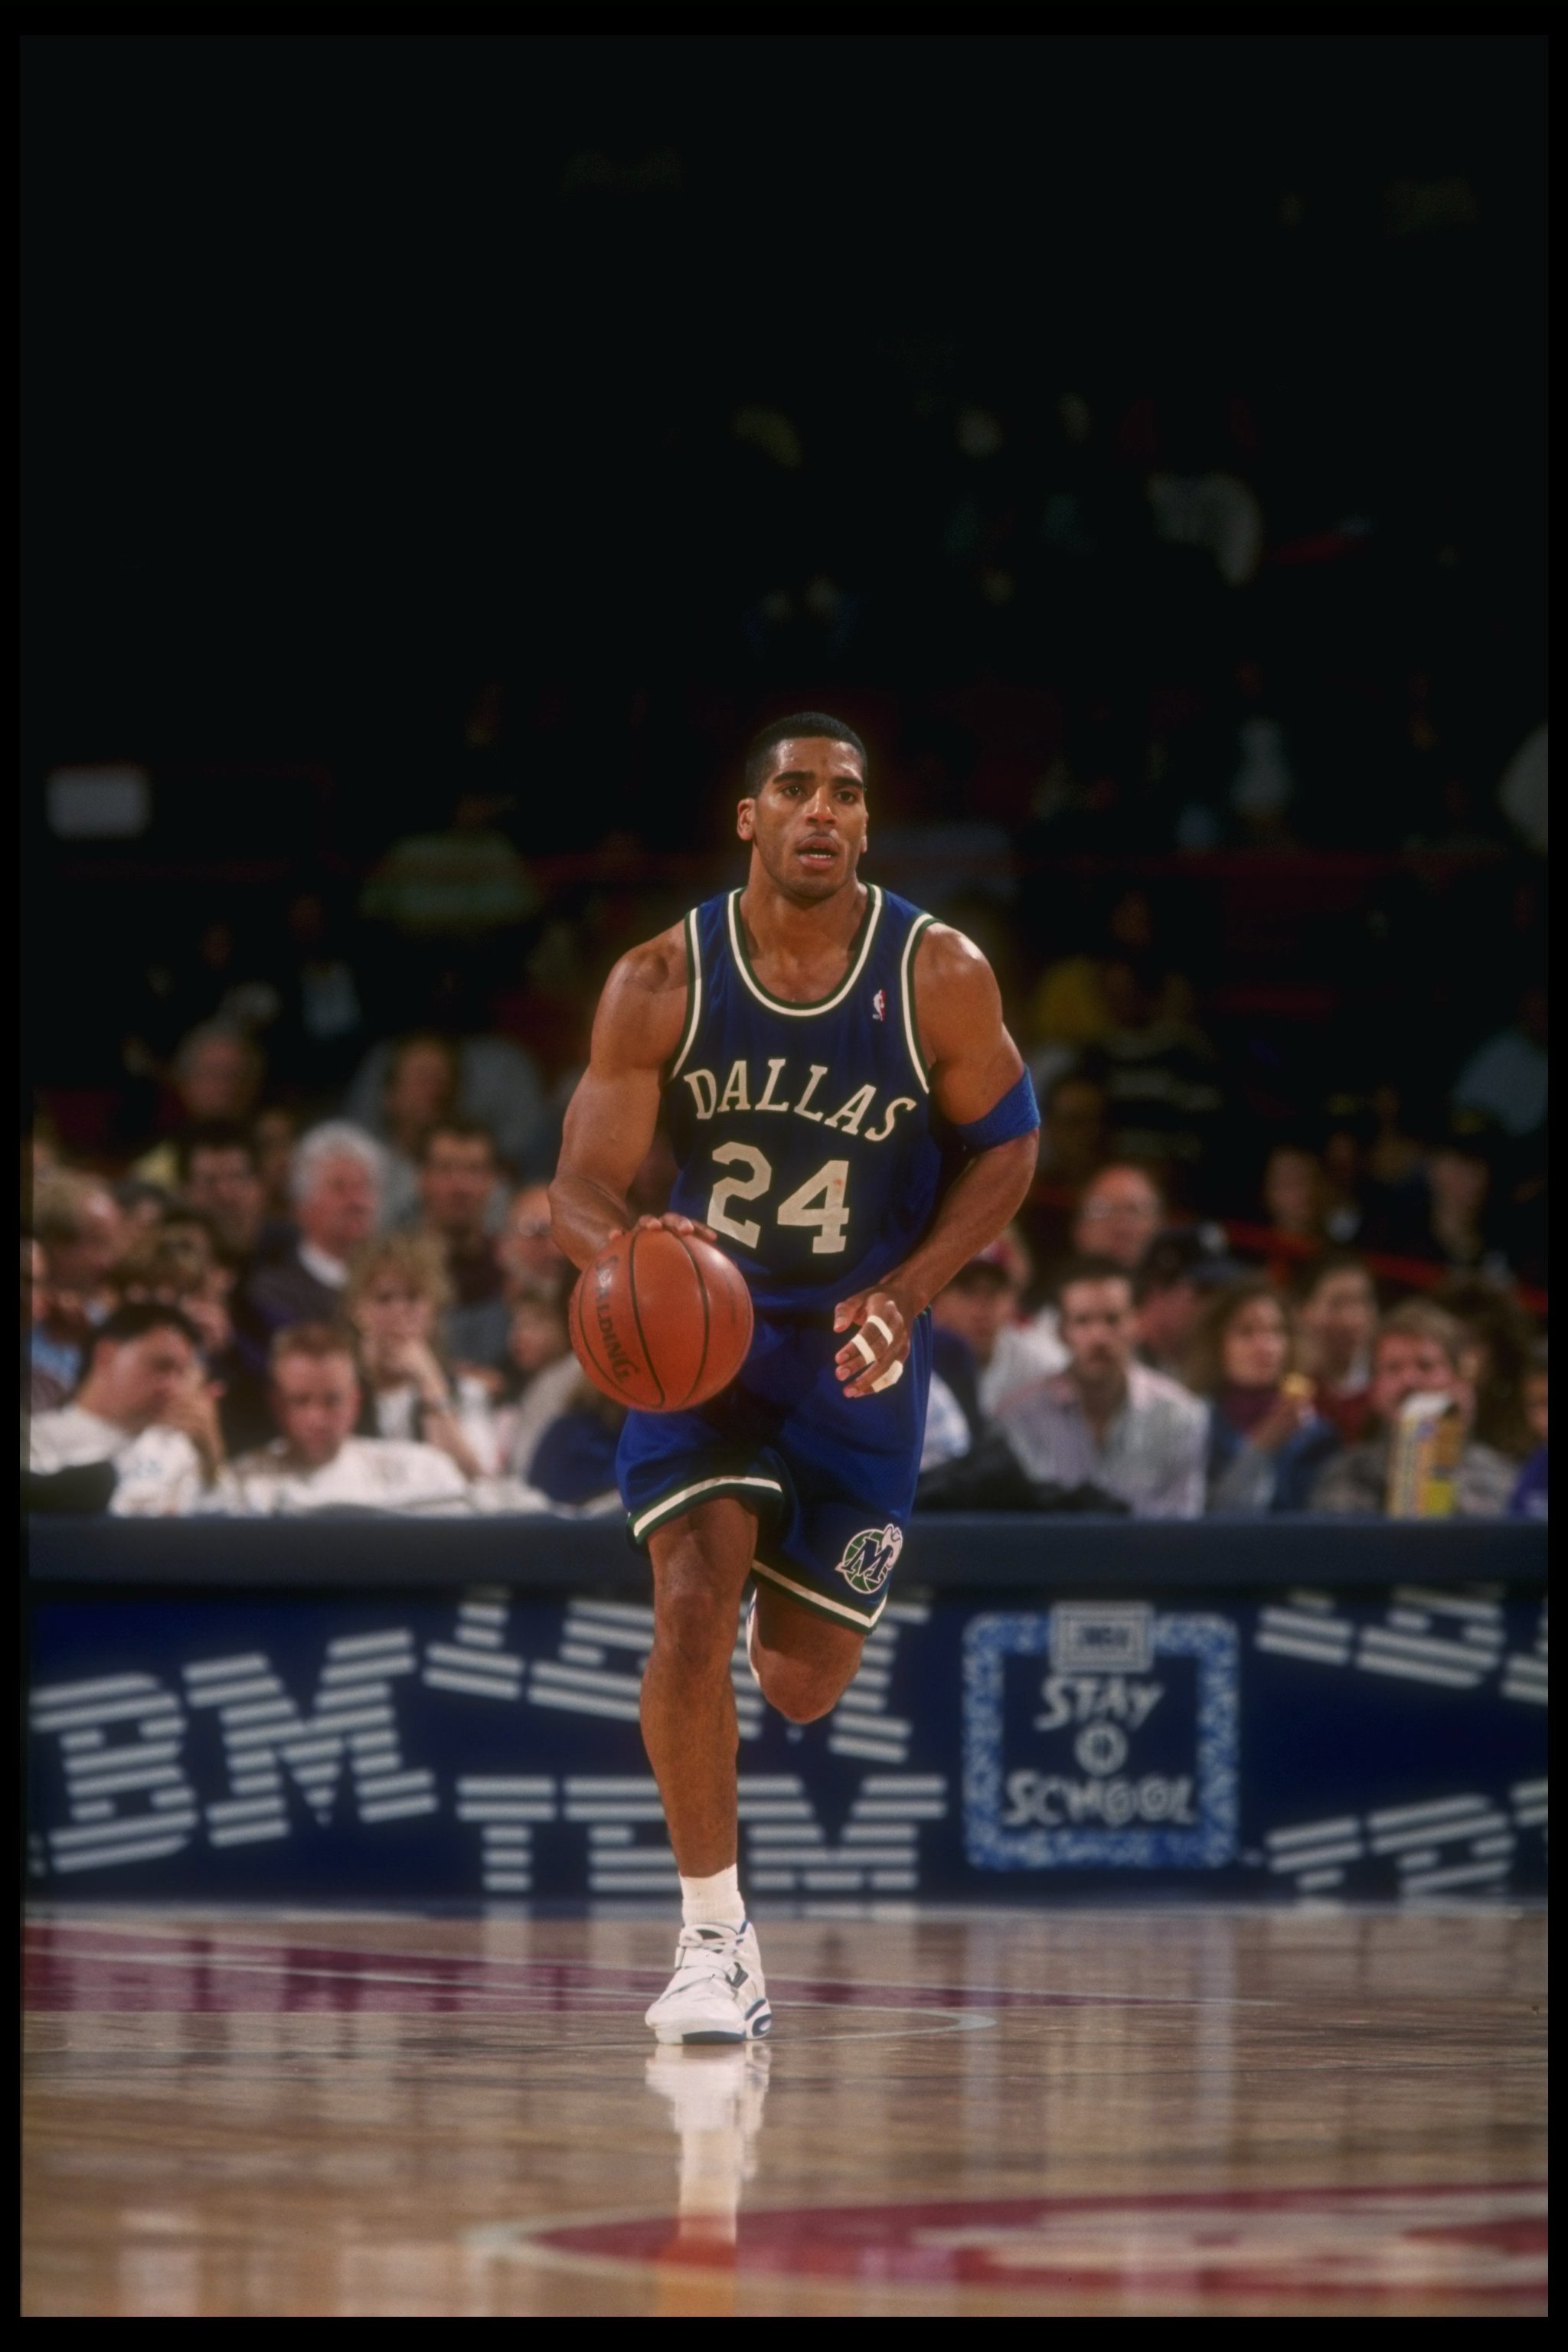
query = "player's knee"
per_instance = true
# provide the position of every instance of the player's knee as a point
(697, 1626)
(801, 1692)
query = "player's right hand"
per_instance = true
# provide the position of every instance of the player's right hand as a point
(672, 1222)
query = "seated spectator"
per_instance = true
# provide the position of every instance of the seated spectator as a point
(178, 1266)
(420, 1090)
(459, 1183)
(41, 1390)
(142, 1205)
(215, 1165)
(1500, 1344)
(397, 1291)
(1073, 1145)
(1179, 1272)
(1337, 1318)
(146, 1408)
(546, 1373)
(1118, 1212)
(1505, 1077)
(1528, 1501)
(1073, 1135)
(980, 1307)
(81, 1232)
(336, 1187)
(498, 1083)
(1121, 1209)
(1160, 1074)
(1419, 1352)
(274, 1133)
(529, 1258)
(574, 1460)
(316, 1462)
(1294, 1196)
(319, 1032)
(1447, 1220)
(948, 1434)
(217, 1071)
(1108, 1421)
(1266, 1443)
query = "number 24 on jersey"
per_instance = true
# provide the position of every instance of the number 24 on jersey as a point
(818, 1202)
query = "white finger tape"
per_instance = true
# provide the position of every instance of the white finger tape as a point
(890, 1377)
(875, 1323)
(867, 1349)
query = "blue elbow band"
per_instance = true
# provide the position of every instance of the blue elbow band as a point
(1018, 1113)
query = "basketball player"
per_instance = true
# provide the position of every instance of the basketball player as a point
(852, 1124)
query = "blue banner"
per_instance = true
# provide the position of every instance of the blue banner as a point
(408, 1748)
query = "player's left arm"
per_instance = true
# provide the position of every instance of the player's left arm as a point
(979, 1083)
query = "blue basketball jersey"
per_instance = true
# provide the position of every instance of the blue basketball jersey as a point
(804, 1133)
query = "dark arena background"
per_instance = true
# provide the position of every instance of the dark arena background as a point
(440, 454)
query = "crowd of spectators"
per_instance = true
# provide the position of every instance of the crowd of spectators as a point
(391, 1333)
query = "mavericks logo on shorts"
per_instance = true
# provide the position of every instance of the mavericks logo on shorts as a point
(869, 1556)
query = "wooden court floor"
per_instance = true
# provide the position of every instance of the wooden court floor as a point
(254, 2114)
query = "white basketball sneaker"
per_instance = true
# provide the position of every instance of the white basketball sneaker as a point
(717, 1993)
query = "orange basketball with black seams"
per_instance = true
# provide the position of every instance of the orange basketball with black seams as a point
(660, 1320)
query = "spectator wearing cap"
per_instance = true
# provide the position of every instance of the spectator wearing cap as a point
(459, 1179)
(336, 1184)
(982, 1352)
(81, 1230)
(1419, 1352)
(1528, 1501)
(145, 1408)
(1266, 1441)
(1180, 1271)
(1337, 1322)
(1106, 1421)
(316, 1462)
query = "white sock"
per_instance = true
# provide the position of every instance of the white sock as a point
(712, 1902)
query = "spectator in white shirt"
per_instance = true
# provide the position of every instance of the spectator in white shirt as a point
(336, 1183)
(146, 1407)
(397, 1291)
(981, 1306)
(317, 1464)
(1108, 1421)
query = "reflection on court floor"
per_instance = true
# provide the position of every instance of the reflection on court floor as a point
(253, 2115)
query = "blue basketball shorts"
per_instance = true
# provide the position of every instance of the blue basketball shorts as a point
(832, 1479)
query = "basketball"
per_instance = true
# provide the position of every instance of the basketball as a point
(661, 1319)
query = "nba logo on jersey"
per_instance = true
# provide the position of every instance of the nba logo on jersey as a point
(879, 1005)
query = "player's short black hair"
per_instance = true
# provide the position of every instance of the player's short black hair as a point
(781, 730)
